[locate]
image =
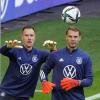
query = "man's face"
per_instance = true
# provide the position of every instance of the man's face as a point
(72, 39)
(28, 37)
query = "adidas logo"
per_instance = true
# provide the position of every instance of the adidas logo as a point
(61, 60)
(19, 58)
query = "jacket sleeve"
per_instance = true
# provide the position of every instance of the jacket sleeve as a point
(88, 73)
(4, 50)
(47, 67)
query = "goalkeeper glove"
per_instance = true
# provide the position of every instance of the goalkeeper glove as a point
(68, 83)
(13, 44)
(51, 45)
(47, 87)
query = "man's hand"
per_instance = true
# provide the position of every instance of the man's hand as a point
(13, 44)
(47, 87)
(69, 83)
(51, 45)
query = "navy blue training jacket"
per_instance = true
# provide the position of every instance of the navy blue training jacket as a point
(76, 64)
(23, 70)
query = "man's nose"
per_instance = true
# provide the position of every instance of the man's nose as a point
(29, 37)
(73, 38)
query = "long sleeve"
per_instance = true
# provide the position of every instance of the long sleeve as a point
(4, 50)
(47, 67)
(87, 81)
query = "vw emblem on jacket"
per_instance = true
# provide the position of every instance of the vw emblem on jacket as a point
(69, 71)
(25, 69)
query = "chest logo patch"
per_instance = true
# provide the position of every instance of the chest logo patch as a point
(79, 60)
(34, 58)
(69, 71)
(25, 69)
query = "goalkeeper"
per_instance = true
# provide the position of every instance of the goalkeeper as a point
(21, 77)
(72, 70)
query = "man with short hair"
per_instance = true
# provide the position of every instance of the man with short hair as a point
(72, 70)
(21, 77)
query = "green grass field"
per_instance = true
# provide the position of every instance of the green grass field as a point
(55, 30)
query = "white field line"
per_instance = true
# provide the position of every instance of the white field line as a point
(93, 97)
(38, 90)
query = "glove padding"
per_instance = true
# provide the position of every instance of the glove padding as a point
(69, 83)
(47, 87)
(13, 44)
(51, 45)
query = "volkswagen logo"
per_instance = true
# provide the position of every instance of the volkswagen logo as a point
(25, 69)
(69, 71)
(4, 5)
